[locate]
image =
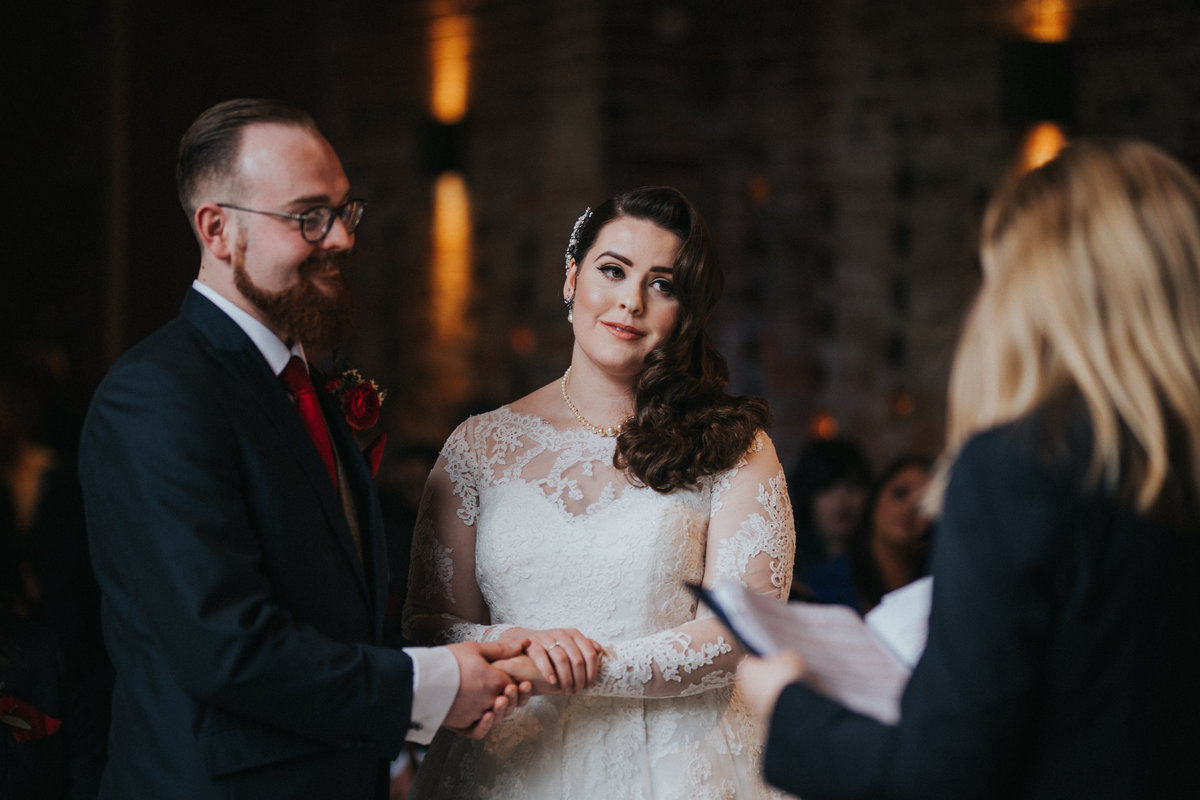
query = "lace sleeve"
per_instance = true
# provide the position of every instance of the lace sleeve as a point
(444, 602)
(751, 540)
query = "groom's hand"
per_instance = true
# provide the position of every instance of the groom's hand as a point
(523, 670)
(485, 693)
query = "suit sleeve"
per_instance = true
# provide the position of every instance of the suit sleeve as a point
(176, 527)
(966, 726)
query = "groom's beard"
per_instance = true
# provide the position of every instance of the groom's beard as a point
(320, 317)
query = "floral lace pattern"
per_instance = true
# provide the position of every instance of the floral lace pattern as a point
(526, 525)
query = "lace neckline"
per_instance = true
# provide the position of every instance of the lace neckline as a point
(506, 413)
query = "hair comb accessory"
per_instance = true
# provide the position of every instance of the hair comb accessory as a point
(573, 242)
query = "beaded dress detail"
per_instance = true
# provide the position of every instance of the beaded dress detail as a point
(526, 525)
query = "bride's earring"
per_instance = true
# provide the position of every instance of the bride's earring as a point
(570, 301)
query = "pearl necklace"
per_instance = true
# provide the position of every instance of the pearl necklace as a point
(608, 430)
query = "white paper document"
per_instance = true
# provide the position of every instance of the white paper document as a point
(901, 619)
(847, 660)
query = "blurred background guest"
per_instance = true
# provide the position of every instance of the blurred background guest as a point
(890, 547)
(828, 486)
(33, 700)
(53, 655)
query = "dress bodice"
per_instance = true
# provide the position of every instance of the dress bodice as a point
(526, 525)
(529, 549)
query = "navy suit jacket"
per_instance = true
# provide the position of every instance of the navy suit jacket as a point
(244, 628)
(1062, 653)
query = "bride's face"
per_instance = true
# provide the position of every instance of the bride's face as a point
(625, 303)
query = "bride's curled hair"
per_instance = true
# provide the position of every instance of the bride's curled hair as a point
(685, 426)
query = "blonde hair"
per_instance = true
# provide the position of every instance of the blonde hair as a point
(1091, 288)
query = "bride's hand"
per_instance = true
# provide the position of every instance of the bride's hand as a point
(564, 656)
(521, 669)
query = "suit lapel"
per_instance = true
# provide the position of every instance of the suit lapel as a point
(248, 368)
(359, 486)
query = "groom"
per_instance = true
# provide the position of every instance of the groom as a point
(238, 541)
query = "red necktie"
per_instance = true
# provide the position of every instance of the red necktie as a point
(295, 378)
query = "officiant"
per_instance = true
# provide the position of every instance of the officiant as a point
(1061, 659)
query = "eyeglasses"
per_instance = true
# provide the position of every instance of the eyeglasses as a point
(316, 222)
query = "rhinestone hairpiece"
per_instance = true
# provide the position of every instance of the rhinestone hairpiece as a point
(573, 242)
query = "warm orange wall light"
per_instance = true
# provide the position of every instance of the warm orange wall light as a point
(451, 278)
(1045, 20)
(823, 425)
(450, 61)
(1041, 144)
(450, 43)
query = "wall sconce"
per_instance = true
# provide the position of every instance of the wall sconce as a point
(1037, 77)
(441, 151)
(442, 136)
(1037, 83)
(440, 147)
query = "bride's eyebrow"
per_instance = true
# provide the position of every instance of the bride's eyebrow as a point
(629, 262)
(626, 261)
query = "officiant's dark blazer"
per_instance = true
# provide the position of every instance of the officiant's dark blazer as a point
(242, 623)
(1062, 652)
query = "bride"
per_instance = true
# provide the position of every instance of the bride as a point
(573, 518)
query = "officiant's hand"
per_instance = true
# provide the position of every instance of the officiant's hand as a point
(761, 680)
(565, 657)
(485, 693)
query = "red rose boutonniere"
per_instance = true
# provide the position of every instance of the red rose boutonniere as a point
(360, 400)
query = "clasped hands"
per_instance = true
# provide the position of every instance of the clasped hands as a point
(554, 661)
(497, 677)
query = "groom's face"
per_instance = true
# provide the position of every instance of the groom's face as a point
(317, 310)
(298, 287)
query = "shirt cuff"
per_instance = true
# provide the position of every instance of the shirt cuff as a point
(435, 685)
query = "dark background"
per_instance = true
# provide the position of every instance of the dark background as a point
(841, 151)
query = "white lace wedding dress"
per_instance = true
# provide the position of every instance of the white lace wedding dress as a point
(526, 525)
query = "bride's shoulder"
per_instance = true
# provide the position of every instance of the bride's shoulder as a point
(545, 404)
(763, 451)
(763, 444)
(531, 410)
(759, 456)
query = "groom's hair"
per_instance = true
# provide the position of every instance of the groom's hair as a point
(209, 149)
